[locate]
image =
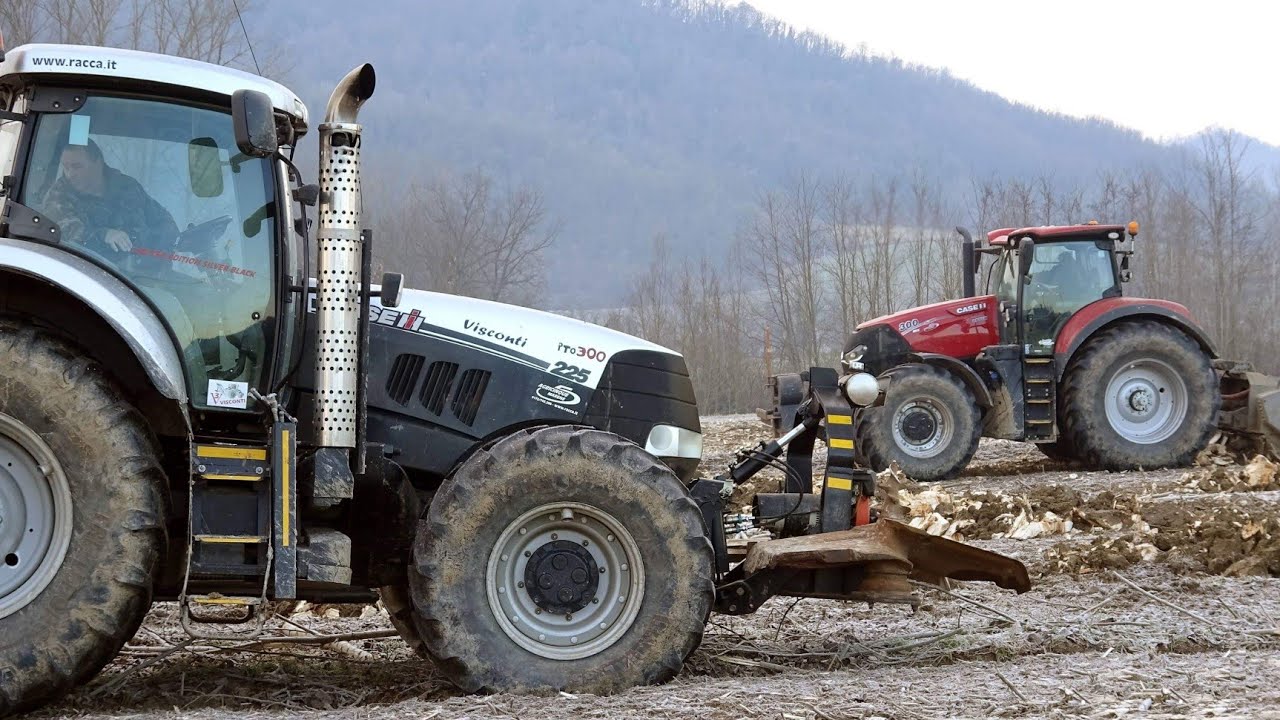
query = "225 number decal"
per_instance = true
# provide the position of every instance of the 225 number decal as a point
(570, 372)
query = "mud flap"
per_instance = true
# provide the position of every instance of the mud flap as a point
(871, 563)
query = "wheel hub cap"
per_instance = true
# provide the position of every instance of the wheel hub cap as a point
(923, 427)
(35, 515)
(918, 426)
(562, 577)
(1146, 401)
(565, 580)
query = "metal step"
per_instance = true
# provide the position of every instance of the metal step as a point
(232, 539)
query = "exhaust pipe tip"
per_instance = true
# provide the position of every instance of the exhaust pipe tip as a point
(350, 94)
(366, 80)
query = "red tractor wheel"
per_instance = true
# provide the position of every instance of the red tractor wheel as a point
(929, 425)
(1139, 395)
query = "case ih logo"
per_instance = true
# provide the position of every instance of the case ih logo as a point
(971, 308)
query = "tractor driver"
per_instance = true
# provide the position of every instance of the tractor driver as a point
(103, 209)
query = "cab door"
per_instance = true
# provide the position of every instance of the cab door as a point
(156, 192)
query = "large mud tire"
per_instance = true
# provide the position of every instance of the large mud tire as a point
(476, 514)
(1154, 367)
(102, 460)
(929, 425)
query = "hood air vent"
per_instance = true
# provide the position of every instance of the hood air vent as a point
(440, 377)
(466, 400)
(404, 375)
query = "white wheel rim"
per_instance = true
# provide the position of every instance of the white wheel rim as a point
(595, 539)
(35, 515)
(932, 415)
(1146, 401)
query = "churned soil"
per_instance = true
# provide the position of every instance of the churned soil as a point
(1155, 595)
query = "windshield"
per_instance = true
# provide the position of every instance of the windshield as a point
(159, 193)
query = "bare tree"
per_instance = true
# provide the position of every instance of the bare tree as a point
(207, 30)
(461, 235)
(20, 21)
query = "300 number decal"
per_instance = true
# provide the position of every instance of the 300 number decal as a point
(570, 372)
(581, 351)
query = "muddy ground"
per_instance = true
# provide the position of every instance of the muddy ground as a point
(1156, 595)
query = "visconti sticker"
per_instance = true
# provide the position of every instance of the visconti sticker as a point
(228, 394)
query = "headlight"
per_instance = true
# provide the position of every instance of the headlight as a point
(856, 353)
(862, 389)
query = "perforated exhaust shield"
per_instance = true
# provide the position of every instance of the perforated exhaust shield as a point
(338, 271)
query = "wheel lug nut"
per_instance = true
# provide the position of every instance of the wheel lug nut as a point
(573, 640)
(610, 538)
(504, 557)
(601, 569)
(586, 543)
(520, 584)
(537, 611)
(568, 616)
(524, 531)
(527, 553)
(624, 567)
(595, 601)
(554, 536)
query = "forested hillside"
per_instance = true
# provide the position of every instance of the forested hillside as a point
(702, 175)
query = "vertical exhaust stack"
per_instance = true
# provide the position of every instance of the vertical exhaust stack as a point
(968, 262)
(338, 282)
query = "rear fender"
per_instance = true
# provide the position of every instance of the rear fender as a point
(1104, 313)
(65, 283)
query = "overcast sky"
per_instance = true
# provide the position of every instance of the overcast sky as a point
(1168, 69)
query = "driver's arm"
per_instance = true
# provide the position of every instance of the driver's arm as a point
(59, 208)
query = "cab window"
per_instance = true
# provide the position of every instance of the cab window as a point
(1065, 276)
(158, 193)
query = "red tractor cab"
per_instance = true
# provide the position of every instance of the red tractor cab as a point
(1052, 353)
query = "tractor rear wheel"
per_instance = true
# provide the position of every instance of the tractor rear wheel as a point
(929, 425)
(82, 514)
(565, 558)
(1139, 395)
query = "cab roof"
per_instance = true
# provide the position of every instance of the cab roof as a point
(1052, 232)
(131, 65)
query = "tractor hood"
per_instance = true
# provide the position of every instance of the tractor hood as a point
(955, 328)
(562, 346)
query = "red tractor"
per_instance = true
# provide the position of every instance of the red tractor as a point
(1053, 353)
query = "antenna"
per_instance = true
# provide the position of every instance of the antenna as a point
(247, 41)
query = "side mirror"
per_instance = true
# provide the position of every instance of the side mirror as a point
(1026, 253)
(204, 167)
(255, 123)
(392, 284)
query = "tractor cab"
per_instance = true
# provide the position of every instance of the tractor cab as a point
(1043, 275)
(130, 162)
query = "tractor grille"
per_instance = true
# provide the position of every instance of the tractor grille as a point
(404, 375)
(466, 399)
(435, 390)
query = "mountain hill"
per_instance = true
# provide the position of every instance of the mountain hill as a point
(659, 116)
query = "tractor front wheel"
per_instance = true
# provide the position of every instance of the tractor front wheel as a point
(929, 425)
(561, 558)
(1139, 395)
